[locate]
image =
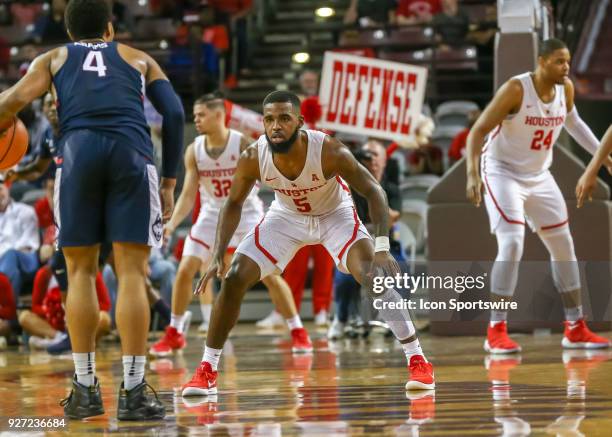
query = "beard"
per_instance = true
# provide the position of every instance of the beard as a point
(284, 146)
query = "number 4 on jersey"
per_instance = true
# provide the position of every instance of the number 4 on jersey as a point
(536, 143)
(95, 62)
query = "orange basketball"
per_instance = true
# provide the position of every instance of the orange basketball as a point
(13, 144)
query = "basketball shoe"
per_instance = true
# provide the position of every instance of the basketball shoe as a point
(170, 342)
(498, 342)
(421, 374)
(137, 404)
(577, 335)
(203, 382)
(300, 342)
(83, 402)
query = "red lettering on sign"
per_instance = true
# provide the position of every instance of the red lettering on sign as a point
(384, 101)
(397, 101)
(337, 74)
(363, 72)
(371, 106)
(350, 74)
(406, 119)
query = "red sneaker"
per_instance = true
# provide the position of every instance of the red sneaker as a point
(300, 342)
(203, 382)
(171, 341)
(498, 342)
(421, 374)
(579, 336)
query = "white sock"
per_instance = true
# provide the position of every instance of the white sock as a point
(295, 322)
(206, 310)
(413, 348)
(85, 367)
(211, 356)
(177, 321)
(133, 370)
(572, 315)
(498, 316)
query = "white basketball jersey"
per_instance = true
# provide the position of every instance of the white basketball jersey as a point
(216, 175)
(524, 140)
(309, 193)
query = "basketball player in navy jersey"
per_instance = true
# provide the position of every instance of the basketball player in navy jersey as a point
(106, 189)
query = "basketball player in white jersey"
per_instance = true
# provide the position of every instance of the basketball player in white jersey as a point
(524, 120)
(312, 205)
(210, 163)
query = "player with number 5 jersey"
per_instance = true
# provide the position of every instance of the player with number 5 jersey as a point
(523, 122)
(210, 165)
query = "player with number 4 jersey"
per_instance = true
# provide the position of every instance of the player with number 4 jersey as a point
(523, 122)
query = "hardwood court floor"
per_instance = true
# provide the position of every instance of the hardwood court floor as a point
(353, 388)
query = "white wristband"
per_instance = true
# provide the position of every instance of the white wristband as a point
(381, 244)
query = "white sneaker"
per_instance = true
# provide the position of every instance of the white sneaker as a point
(273, 320)
(203, 326)
(36, 342)
(186, 323)
(336, 330)
(321, 318)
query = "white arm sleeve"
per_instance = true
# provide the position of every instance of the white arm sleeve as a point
(579, 130)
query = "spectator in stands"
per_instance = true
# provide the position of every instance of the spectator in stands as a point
(371, 13)
(452, 25)
(309, 83)
(49, 27)
(45, 321)
(426, 157)
(233, 13)
(457, 147)
(19, 241)
(41, 163)
(346, 290)
(8, 312)
(191, 60)
(123, 21)
(417, 11)
(25, 13)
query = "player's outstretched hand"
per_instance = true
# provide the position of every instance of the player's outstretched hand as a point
(584, 187)
(385, 263)
(474, 188)
(216, 268)
(166, 195)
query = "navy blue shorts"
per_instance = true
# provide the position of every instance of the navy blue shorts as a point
(105, 191)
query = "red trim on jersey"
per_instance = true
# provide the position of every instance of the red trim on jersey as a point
(515, 222)
(558, 225)
(260, 247)
(199, 241)
(495, 133)
(344, 187)
(355, 229)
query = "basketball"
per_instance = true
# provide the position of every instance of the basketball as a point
(13, 144)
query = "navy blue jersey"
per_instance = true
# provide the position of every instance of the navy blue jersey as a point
(98, 90)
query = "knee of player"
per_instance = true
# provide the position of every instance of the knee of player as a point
(237, 279)
(510, 247)
(24, 316)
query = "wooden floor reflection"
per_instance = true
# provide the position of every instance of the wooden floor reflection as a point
(353, 387)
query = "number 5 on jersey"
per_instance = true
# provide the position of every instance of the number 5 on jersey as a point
(536, 143)
(95, 62)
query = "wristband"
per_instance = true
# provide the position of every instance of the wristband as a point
(381, 244)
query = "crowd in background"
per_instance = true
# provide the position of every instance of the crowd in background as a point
(31, 294)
